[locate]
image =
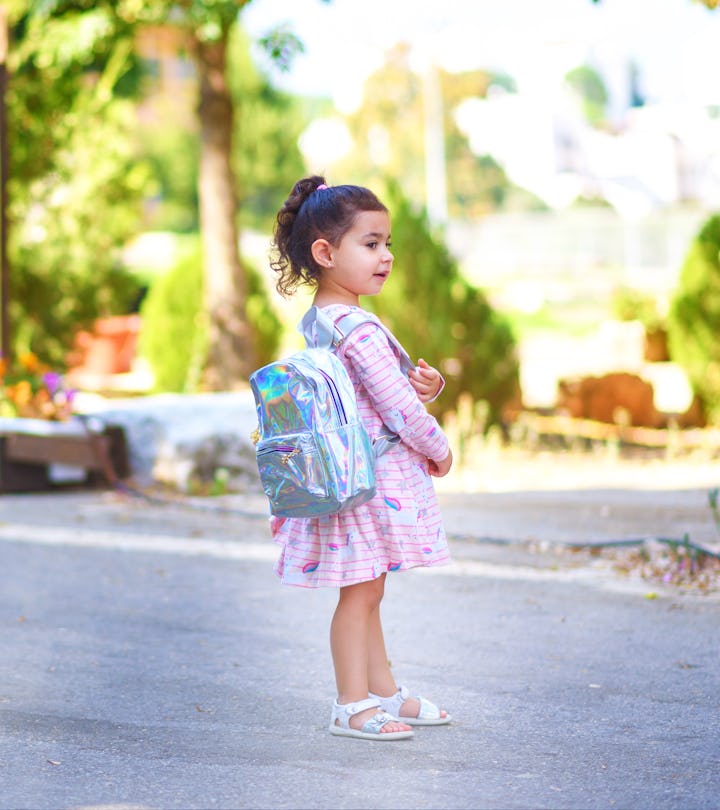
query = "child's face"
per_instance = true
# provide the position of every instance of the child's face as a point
(361, 263)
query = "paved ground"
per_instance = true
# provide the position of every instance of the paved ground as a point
(151, 660)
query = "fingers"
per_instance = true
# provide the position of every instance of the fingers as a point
(419, 383)
(425, 380)
(423, 386)
(424, 374)
(427, 372)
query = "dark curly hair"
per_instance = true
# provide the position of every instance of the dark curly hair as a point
(311, 213)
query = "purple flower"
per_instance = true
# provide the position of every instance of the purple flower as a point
(53, 382)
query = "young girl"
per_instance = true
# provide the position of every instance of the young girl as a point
(337, 240)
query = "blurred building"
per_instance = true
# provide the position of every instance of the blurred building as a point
(661, 155)
(169, 75)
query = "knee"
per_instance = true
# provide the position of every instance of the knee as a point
(367, 595)
(376, 590)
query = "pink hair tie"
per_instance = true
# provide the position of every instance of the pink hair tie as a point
(321, 187)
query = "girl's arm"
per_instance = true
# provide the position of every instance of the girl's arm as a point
(392, 395)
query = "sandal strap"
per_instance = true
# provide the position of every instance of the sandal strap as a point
(342, 712)
(377, 721)
(393, 703)
(359, 706)
(428, 710)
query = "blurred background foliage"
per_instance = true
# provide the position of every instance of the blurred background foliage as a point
(75, 184)
(97, 158)
(268, 123)
(436, 314)
(694, 319)
(174, 325)
(385, 143)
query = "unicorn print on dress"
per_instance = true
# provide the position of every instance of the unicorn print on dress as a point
(393, 503)
(395, 420)
(342, 552)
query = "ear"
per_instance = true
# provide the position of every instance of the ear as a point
(321, 251)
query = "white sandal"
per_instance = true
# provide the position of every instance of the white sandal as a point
(428, 715)
(342, 712)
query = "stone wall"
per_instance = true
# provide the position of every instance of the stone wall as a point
(182, 439)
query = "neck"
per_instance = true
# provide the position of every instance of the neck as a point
(324, 297)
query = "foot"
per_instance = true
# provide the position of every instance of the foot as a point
(358, 721)
(415, 710)
(411, 708)
(365, 720)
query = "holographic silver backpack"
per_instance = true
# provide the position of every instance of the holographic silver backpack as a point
(313, 453)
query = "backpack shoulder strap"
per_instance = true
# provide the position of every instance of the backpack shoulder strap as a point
(348, 323)
(329, 334)
(322, 337)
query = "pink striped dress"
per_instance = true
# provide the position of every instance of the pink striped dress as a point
(401, 526)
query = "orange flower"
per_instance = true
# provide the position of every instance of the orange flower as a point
(29, 361)
(22, 393)
(3, 367)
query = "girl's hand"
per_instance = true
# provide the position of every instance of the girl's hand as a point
(440, 468)
(426, 381)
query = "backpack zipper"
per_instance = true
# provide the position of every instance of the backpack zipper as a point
(335, 394)
(290, 452)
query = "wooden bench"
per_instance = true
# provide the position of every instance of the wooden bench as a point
(38, 455)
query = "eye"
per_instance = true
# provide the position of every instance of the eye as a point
(372, 245)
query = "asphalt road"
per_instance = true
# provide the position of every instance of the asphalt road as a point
(150, 659)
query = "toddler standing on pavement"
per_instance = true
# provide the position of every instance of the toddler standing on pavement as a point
(337, 240)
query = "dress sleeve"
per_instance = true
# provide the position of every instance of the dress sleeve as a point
(368, 351)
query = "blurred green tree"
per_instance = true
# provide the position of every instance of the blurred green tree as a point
(174, 334)
(693, 322)
(268, 124)
(266, 158)
(82, 28)
(590, 89)
(205, 27)
(74, 185)
(173, 203)
(435, 313)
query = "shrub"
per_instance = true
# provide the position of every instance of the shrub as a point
(436, 314)
(68, 231)
(694, 318)
(173, 338)
(628, 304)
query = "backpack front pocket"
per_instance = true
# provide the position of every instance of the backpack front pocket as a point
(292, 473)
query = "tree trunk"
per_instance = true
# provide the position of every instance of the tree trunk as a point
(230, 354)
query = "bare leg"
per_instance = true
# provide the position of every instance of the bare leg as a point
(350, 643)
(380, 678)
